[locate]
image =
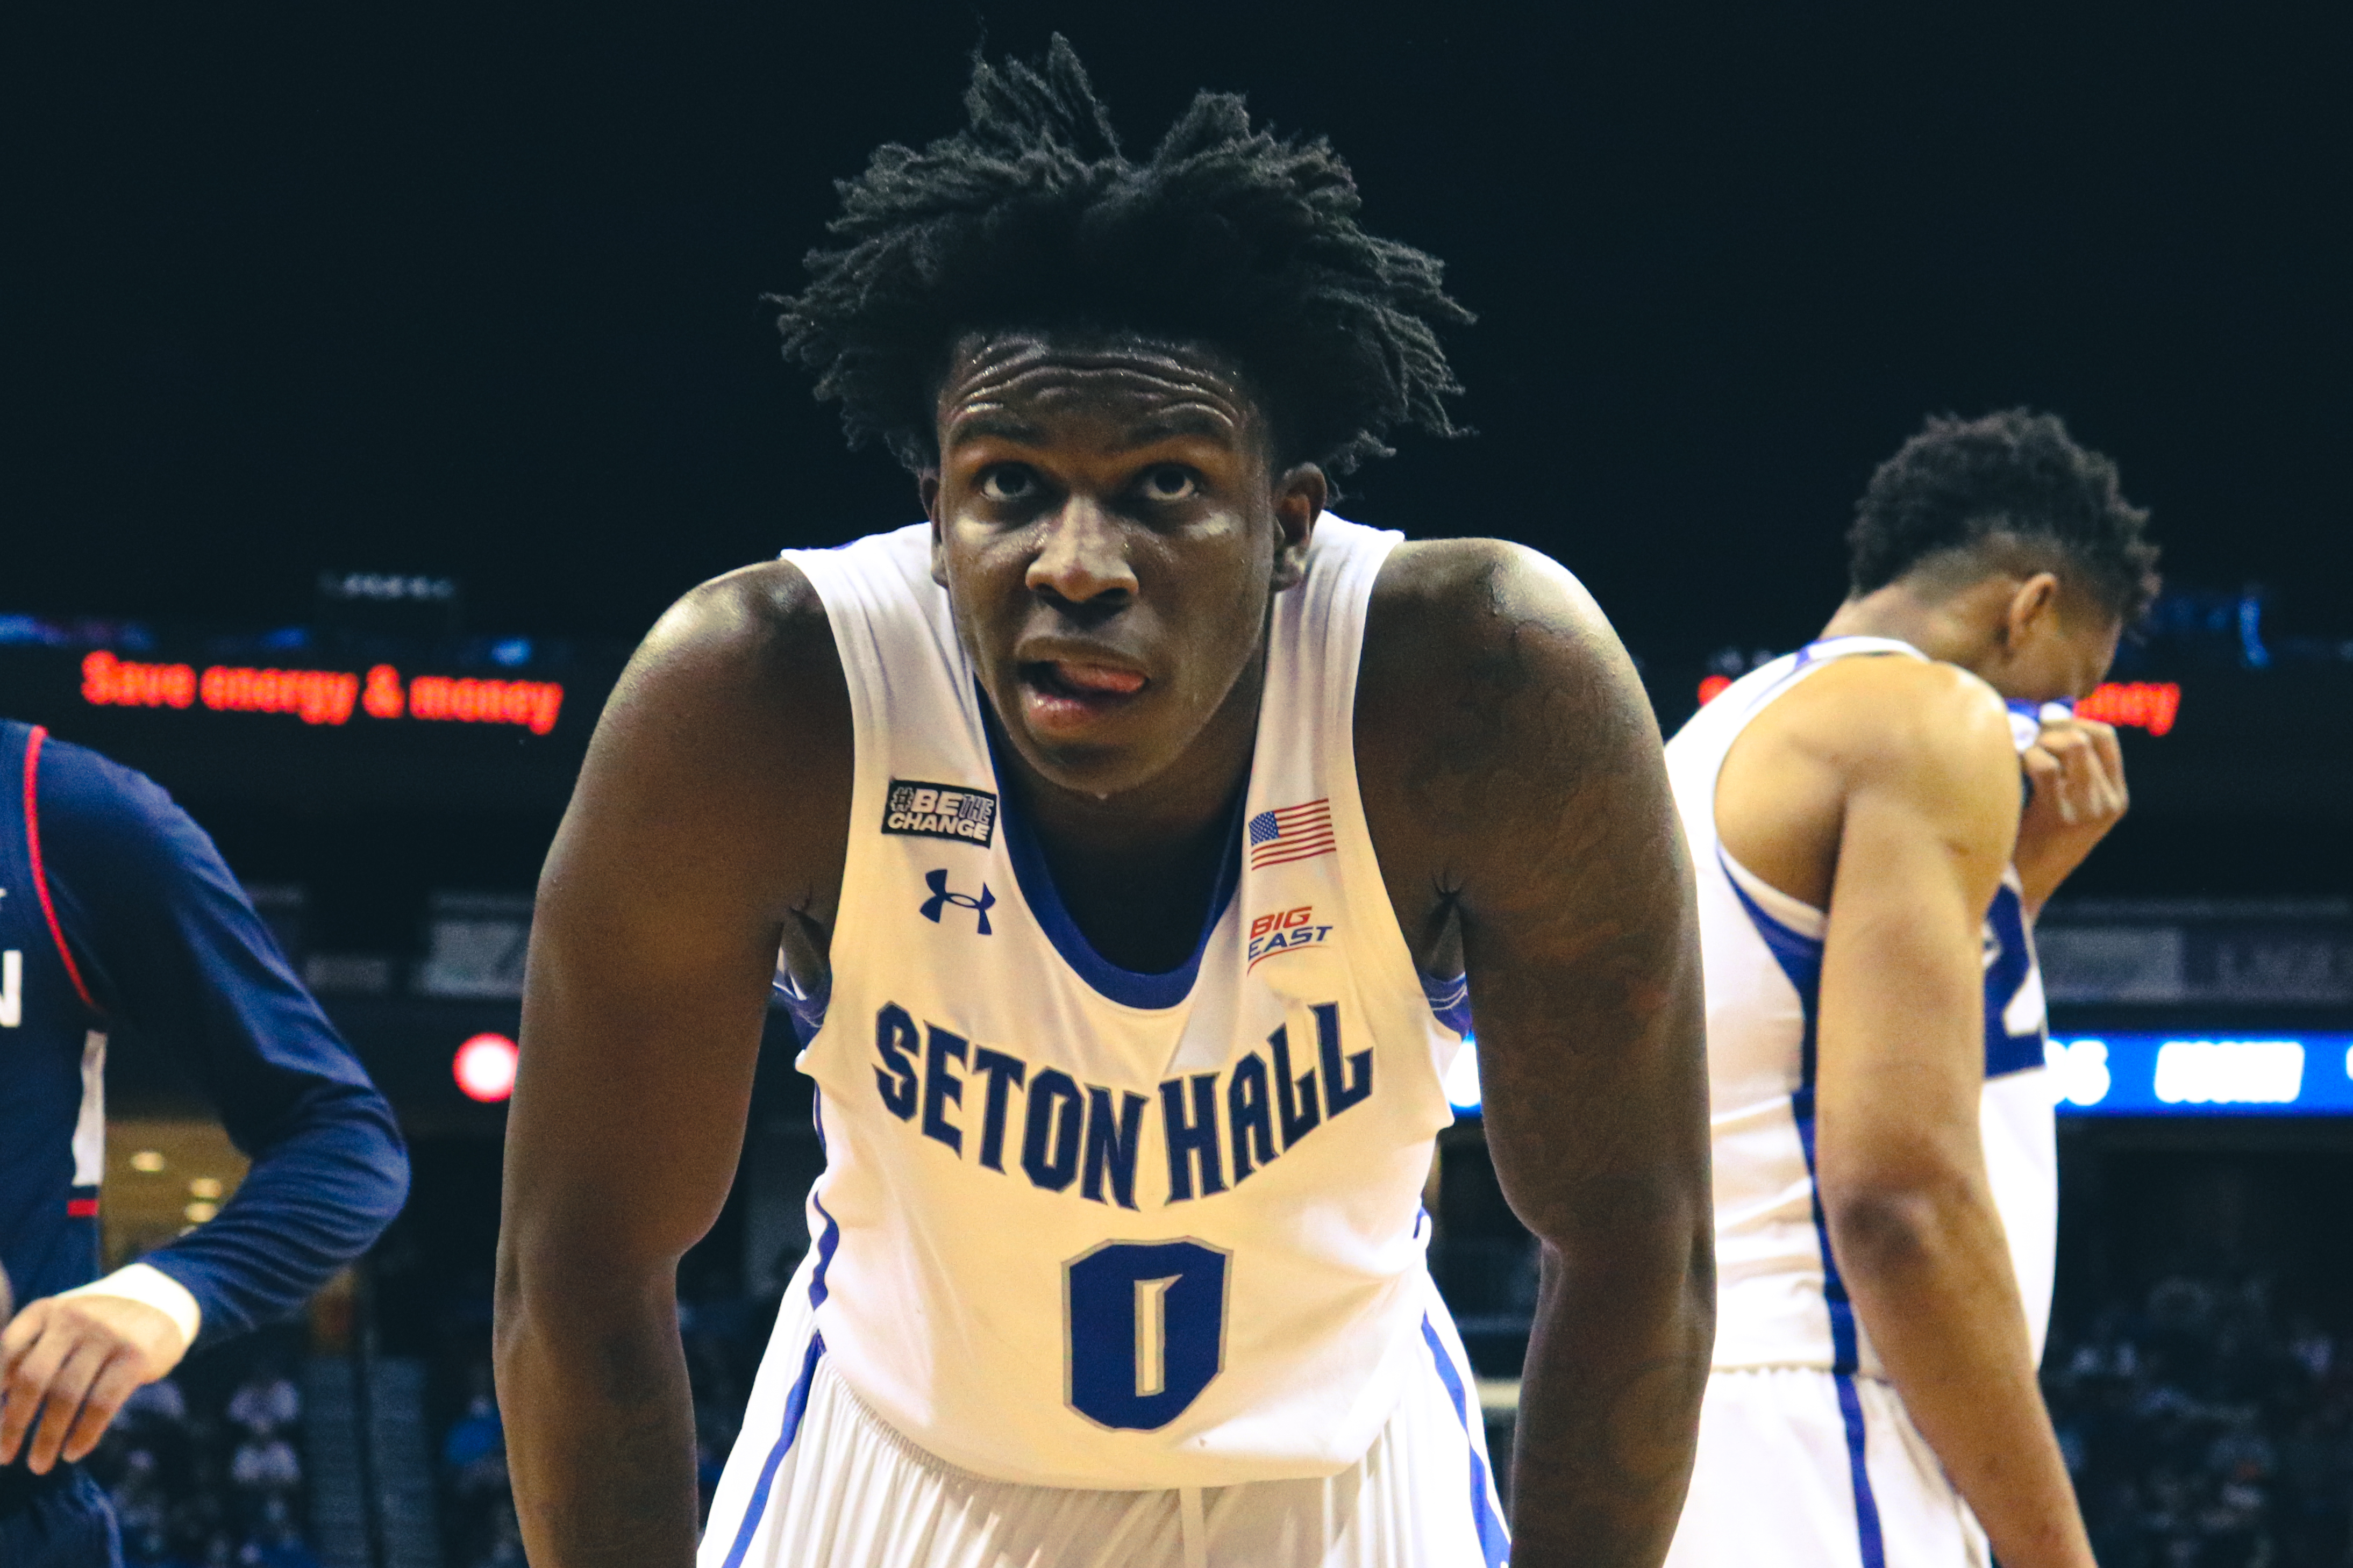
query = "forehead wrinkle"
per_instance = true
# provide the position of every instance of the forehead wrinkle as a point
(1176, 399)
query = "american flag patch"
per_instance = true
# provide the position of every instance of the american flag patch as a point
(1290, 832)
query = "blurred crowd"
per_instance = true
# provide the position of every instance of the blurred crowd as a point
(2205, 1408)
(205, 1469)
(2208, 1428)
(723, 1339)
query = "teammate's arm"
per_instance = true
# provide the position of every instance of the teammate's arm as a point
(1538, 776)
(711, 809)
(1931, 812)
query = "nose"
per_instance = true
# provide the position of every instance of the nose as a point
(1083, 560)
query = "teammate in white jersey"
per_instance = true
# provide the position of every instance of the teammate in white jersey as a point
(1886, 1173)
(1134, 835)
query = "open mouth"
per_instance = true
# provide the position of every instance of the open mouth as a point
(1061, 693)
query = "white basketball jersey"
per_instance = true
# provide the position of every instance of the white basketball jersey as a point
(1780, 1301)
(1081, 1226)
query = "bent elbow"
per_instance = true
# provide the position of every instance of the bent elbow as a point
(1883, 1227)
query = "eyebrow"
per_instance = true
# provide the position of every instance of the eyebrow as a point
(990, 424)
(993, 424)
(1182, 421)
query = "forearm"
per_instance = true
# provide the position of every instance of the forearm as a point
(2042, 868)
(1609, 1411)
(316, 1198)
(1931, 1278)
(599, 1422)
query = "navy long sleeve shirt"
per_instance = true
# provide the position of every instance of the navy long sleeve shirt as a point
(121, 917)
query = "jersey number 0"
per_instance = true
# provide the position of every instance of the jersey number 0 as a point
(1144, 1329)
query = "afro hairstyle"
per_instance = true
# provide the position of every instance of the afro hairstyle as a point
(2013, 478)
(1030, 219)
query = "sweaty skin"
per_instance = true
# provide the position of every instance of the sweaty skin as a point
(1111, 528)
(1885, 791)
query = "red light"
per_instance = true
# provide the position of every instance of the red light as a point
(2145, 704)
(384, 698)
(1712, 688)
(485, 1068)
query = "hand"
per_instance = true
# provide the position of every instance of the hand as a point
(72, 1361)
(2078, 773)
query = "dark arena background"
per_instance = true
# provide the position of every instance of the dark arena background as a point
(374, 376)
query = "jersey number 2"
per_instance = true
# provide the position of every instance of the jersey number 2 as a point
(1144, 1329)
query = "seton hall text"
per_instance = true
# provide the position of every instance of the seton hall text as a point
(1217, 1129)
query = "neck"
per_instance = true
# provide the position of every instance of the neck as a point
(1136, 870)
(1953, 628)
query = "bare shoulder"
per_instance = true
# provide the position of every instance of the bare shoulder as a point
(1492, 697)
(1469, 641)
(1900, 722)
(1479, 593)
(729, 735)
(752, 626)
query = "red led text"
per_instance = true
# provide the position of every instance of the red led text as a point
(322, 696)
(2149, 705)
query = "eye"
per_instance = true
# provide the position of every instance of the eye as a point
(1008, 483)
(1169, 482)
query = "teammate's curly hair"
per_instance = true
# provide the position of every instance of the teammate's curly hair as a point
(1031, 217)
(2014, 477)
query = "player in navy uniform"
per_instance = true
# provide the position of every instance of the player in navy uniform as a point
(116, 913)
(1128, 830)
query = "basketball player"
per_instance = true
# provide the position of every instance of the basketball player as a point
(1886, 1181)
(1127, 830)
(116, 913)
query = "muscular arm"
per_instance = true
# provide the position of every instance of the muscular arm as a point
(1931, 809)
(1515, 777)
(711, 810)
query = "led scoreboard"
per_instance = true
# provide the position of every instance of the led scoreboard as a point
(334, 717)
(2116, 1074)
(2283, 1074)
(320, 696)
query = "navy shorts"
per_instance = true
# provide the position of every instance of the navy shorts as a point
(61, 1520)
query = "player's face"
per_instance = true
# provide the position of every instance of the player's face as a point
(2062, 650)
(1111, 534)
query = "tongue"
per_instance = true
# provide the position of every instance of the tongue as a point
(1098, 677)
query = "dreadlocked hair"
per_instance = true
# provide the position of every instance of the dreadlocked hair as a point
(1031, 219)
(2016, 477)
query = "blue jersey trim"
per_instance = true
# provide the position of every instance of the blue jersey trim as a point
(1126, 986)
(1494, 1541)
(807, 1013)
(829, 1239)
(2008, 964)
(1800, 958)
(1449, 1001)
(796, 1407)
(1868, 1539)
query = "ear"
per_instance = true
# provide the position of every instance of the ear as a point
(927, 486)
(1299, 496)
(2034, 608)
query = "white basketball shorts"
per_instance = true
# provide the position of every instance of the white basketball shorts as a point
(1801, 1467)
(818, 1481)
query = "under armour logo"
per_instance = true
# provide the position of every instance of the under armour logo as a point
(938, 882)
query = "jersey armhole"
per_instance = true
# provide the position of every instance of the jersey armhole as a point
(1799, 916)
(40, 874)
